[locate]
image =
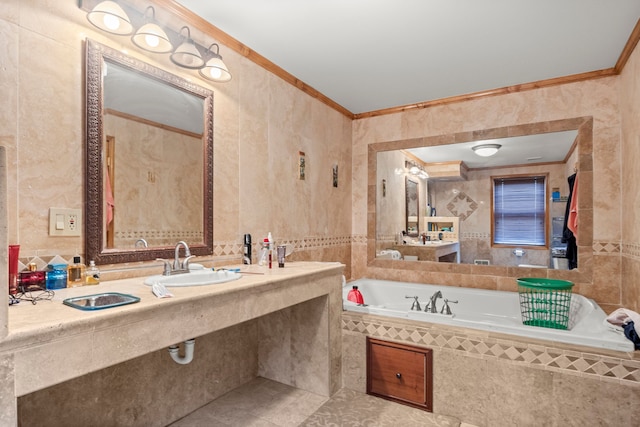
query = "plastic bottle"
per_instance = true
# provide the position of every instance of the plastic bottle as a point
(355, 296)
(92, 274)
(270, 239)
(264, 252)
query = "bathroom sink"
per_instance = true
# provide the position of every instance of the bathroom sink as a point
(194, 278)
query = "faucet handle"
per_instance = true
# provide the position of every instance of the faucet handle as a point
(185, 262)
(445, 308)
(167, 266)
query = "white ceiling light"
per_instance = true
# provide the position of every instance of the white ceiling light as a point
(151, 37)
(187, 55)
(215, 69)
(109, 17)
(486, 150)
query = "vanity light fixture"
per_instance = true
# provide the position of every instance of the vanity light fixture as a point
(215, 69)
(187, 55)
(109, 17)
(486, 150)
(118, 17)
(415, 169)
(151, 37)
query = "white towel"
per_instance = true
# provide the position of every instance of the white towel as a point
(622, 316)
(394, 254)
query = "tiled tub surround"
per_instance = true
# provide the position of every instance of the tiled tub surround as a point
(489, 379)
(493, 311)
(298, 343)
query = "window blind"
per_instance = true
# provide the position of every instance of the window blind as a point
(519, 211)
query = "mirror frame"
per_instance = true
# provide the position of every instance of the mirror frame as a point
(584, 126)
(96, 54)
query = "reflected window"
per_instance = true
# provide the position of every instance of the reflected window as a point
(519, 211)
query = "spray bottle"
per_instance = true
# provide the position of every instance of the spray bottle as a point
(355, 296)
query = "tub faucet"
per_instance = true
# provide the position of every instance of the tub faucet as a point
(415, 305)
(431, 306)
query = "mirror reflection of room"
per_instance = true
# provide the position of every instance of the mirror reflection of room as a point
(509, 208)
(153, 158)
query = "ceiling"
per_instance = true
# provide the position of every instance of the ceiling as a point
(522, 150)
(369, 55)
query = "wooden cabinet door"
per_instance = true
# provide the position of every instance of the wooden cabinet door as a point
(400, 372)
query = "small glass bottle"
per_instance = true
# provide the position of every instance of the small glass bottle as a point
(92, 274)
(75, 273)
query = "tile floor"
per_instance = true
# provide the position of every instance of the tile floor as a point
(266, 403)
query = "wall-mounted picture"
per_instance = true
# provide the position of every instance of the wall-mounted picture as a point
(335, 176)
(302, 165)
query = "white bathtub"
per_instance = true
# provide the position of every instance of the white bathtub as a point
(495, 311)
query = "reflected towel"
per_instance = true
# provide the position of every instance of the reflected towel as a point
(394, 254)
(572, 222)
(108, 195)
(623, 316)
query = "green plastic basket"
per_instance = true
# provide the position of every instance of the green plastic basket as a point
(545, 302)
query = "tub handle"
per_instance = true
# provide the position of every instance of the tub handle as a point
(398, 375)
(415, 305)
(445, 308)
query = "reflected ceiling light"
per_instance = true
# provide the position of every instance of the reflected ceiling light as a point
(187, 55)
(109, 17)
(215, 69)
(486, 150)
(151, 37)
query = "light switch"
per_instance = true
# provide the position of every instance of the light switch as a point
(64, 222)
(59, 221)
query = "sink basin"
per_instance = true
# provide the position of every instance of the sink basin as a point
(194, 278)
(100, 301)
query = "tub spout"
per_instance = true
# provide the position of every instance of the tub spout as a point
(188, 352)
(431, 307)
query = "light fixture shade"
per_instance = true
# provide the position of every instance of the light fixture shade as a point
(187, 55)
(109, 17)
(215, 69)
(414, 170)
(152, 38)
(486, 150)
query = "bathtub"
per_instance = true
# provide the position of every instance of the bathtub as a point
(494, 311)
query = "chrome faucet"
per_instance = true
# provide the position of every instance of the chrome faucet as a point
(184, 265)
(143, 243)
(178, 267)
(431, 307)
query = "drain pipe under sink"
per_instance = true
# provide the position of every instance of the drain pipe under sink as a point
(188, 352)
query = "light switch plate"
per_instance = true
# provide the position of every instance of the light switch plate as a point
(65, 222)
